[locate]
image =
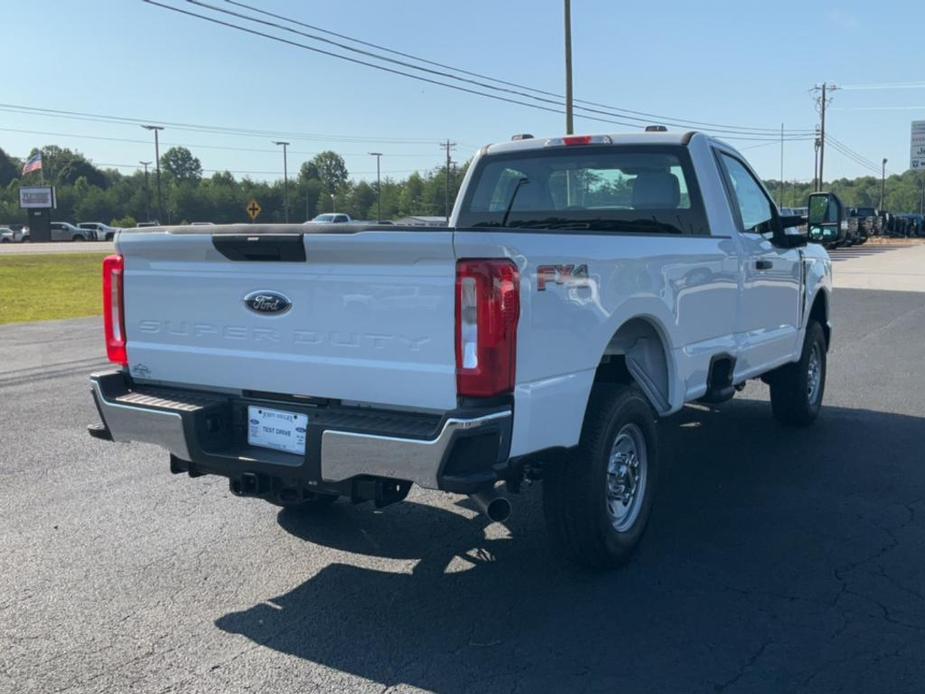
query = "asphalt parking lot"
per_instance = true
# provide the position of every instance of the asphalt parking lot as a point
(776, 560)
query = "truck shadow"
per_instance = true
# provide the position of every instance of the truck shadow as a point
(751, 556)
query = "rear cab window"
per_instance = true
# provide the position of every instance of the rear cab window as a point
(644, 189)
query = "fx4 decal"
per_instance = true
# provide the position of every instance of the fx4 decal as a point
(568, 275)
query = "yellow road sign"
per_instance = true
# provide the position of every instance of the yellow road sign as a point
(253, 209)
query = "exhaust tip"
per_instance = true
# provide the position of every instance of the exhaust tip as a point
(499, 509)
(494, 506)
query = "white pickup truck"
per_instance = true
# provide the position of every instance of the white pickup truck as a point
(585, 287)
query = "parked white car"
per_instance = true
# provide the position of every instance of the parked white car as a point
(101, 232)
(11, 235)
(586, 287)
(331, 218)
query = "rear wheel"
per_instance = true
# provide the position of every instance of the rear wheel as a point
(77, 237)
(797, 389)
(597, 501)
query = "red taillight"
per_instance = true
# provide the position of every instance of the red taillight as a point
(577, 140)
(113, 311)
(487, 311)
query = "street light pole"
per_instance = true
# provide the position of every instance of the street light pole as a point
(157, 164)
(285, 179)
(147, 196)
(569, 126)
(332, 202)
(882, 181)
(378, 156)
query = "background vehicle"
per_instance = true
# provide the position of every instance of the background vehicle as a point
(867, 222)
(65, 231)
(331, 218)
(11, 235)
(101, 232)
(586, 286)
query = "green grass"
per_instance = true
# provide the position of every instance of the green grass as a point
(46, 287)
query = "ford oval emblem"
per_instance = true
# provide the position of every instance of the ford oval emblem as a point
(267, 302)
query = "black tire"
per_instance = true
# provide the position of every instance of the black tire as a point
(793, 401)
(576, 498)
(77, 237)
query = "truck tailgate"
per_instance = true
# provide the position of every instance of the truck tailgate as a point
(371, 317)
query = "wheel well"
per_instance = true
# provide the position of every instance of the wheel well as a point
(820, 313)
(636, 354)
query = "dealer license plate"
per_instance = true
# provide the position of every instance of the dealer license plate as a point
(276, 429)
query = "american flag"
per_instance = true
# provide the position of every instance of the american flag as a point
(33, 164)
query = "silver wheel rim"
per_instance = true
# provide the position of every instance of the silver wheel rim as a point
(813, 375)
(627, 474)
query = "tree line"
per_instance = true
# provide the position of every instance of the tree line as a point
(86, 192)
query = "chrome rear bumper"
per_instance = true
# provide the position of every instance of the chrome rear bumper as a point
(198, 427)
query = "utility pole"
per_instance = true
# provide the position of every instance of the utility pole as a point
(816, 162)
(332, 202)
(822, 102)
(449, 147)
(147, 203)
(882, 181)
(569, 125)
(157, 164)
(781, 192)
(285, 179)
(378, 156)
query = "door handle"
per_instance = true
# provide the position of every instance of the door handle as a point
(763, 264)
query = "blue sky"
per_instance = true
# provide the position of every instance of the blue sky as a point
(736, 63)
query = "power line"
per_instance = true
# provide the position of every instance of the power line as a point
(881, 108)
(213, 129)
(627, 113)
(244, 172)
(854, 156)
(184, 144)
(884, 85)
(557, 109)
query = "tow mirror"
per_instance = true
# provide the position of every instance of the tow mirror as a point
(826, 219)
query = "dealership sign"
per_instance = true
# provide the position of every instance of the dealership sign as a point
(917, 155)
(36, 197)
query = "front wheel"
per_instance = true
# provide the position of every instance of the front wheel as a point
(77, 237)
(598, 499)
(797, 389)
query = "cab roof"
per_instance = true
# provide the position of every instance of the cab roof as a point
(636, 138)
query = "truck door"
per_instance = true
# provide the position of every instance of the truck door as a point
(767, 320)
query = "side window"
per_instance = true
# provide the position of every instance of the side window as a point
(756, 210)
